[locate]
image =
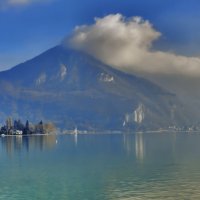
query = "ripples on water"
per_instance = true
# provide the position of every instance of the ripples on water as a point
(116, 167)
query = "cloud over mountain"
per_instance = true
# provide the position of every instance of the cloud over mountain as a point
(127, 44)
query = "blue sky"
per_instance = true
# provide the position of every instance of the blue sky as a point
(27, 29)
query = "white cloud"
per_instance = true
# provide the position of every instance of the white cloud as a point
(127, 44)
(13, 3)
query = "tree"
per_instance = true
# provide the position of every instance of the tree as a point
(40, 127)
(49, 127)
(20, 125)
(27, 125)
(27, 128)
(9, 123)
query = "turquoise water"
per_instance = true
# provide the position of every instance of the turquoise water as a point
(100, 167)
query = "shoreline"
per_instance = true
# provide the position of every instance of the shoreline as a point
(102, 133)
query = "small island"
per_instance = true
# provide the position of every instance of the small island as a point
(16, 127)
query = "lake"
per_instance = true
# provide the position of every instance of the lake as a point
(101, 167)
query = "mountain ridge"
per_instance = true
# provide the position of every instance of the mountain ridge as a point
(73, 89)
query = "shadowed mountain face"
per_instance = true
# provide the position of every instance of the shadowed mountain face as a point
(71, 89)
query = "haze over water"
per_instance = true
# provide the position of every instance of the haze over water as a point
(101, 167)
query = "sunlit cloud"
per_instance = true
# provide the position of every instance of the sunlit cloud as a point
(127, 44)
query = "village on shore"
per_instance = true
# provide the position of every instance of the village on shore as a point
(16, 127)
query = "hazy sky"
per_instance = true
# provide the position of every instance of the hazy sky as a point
(29, 27)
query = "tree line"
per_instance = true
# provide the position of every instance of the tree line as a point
(16, 127)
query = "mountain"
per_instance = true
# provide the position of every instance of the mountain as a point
(72, 89)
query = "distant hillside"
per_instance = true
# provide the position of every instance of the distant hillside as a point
(72, 89)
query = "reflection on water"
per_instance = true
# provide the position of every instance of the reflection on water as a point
(134, 144)
(20, 143)
(139, 146)
(101, 167)
(76, 139)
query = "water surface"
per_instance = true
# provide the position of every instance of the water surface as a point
(100, 167)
